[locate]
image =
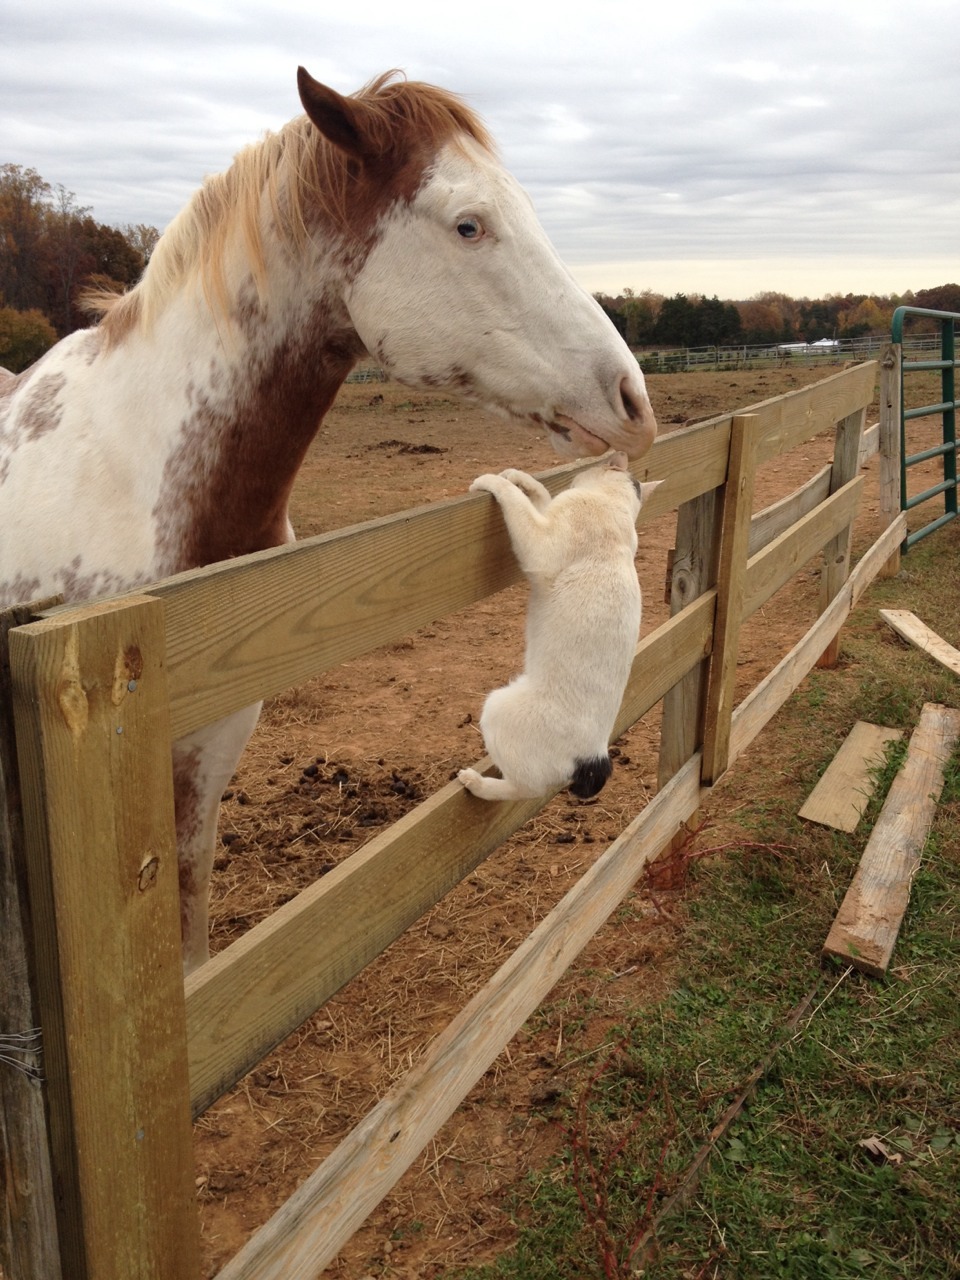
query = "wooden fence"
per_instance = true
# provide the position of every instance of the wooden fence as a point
(97, 1133)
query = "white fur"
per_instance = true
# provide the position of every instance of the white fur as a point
(583, 621)
(494, 305)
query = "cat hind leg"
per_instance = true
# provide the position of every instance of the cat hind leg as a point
(589, 776)
(490, 788)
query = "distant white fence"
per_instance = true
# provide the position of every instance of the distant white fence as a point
(687, 359)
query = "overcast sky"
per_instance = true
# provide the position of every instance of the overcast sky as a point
(706, 146)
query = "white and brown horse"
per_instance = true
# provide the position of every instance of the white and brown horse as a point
(169, 436)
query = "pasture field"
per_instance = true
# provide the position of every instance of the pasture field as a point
(668, 991)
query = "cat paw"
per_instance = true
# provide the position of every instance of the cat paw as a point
(485, 484)
(470, 779)
(520, 479)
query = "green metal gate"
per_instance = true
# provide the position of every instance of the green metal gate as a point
(946, 408)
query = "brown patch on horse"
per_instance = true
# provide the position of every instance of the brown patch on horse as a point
(227, 483)
(41, 412)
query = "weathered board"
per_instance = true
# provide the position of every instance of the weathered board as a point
(731, 572)
(29, 1238)
(910, 628)
(866, 926)
(91, 709)
(840, 797)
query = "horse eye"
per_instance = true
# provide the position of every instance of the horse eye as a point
(469, 229)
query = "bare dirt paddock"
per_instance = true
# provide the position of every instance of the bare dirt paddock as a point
(337, 760)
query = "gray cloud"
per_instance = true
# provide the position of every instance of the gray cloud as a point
(809, 133)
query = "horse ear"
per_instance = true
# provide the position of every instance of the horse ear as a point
(339, 119)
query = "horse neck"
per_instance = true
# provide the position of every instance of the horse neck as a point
(260, 382)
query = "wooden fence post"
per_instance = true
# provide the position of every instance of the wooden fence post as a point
(836, 554)
(891, 391)
(93, 740)
(694, 571)
(731, 568)
(29, 1245)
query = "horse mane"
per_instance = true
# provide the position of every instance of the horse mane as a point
(302, 175)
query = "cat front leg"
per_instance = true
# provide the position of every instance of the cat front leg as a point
(490, 788)
(538, 494)
(530, 529)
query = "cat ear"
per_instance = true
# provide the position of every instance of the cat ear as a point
(618, 462)
(647, 488)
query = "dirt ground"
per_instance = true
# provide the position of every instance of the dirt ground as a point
(338, 759)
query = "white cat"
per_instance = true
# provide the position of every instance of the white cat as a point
(550, 727)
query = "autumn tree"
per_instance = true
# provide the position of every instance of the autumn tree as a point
(24, 337)
(640, 312)
(24, 198)
(761, 323)
(51, 249)
(944, 297)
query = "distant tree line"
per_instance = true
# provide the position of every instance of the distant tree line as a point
(51, 249)
(649, 319)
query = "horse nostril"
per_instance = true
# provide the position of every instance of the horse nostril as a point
(633, 410)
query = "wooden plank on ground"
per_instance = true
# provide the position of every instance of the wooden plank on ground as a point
(910, 628)
(840, 797)
(866, 926)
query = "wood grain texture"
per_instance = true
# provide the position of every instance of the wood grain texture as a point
(844, 790)
(29, 1245)
(731, 588)
(773, 566)
(779, 516)
(836, 555)
(788, 421)
(909, 627)
(693, 572)
(91, 711)
(865, 930)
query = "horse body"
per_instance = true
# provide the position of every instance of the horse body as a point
(170, 436)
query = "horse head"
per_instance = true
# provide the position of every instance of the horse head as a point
(456, 285)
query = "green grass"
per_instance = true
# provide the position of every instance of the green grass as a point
(789, 1189)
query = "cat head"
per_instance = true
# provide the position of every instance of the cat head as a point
(613, 476)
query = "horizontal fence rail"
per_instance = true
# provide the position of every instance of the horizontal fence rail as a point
(100, 691)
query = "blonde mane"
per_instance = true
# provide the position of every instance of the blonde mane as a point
(302, 176)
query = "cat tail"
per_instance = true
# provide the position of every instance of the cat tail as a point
(589, 776)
